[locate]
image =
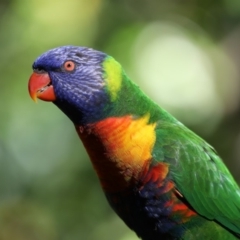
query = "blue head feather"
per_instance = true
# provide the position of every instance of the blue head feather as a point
(80, 94)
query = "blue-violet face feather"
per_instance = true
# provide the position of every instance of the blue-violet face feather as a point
(80, 93)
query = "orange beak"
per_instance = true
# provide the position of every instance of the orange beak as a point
(40, 86)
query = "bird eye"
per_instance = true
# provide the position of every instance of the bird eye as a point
(69, 66)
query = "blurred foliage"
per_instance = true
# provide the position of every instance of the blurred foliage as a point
(185, 55)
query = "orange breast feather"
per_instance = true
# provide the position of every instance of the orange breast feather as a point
(119, 148)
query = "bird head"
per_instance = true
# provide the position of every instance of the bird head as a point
(81, 81)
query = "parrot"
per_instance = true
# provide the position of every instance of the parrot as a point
(159, 177)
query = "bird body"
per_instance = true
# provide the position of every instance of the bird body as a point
(163, 180)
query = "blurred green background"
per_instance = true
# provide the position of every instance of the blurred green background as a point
(184, 54)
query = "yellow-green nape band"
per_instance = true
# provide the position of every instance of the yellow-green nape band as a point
(113, 76)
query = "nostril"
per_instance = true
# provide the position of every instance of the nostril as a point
(39, 70)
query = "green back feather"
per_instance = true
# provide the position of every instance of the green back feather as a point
(197, 171)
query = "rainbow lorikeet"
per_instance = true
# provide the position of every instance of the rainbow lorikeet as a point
(164, 181)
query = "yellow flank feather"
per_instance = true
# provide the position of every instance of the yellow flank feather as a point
(113, 76)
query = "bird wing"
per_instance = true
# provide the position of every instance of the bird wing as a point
(199, 174)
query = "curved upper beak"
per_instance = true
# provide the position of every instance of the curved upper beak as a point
(40, 86)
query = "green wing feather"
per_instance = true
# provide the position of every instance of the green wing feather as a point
(199, 174)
